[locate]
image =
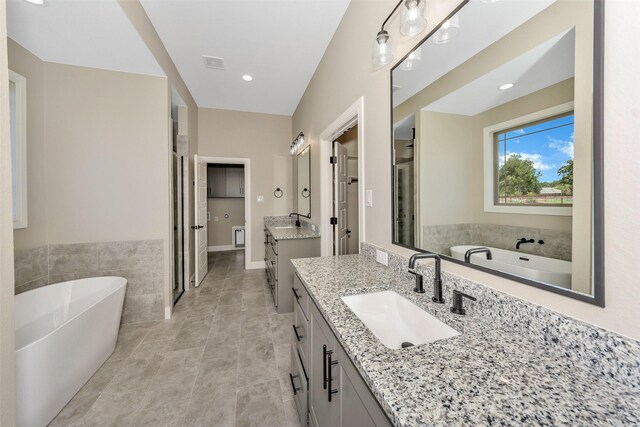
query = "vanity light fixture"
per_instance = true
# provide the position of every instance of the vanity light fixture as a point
(412, 61)
(296, 144)
(506, 86)
(448, 30)
(247, 77)
(412, 22)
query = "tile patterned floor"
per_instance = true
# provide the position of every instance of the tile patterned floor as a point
(222, 360)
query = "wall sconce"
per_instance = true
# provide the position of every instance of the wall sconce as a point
(296, 144)
(412, 22)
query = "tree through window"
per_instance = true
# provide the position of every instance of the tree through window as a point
(535, 163)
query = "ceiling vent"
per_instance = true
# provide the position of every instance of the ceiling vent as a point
(395, 88)
(213, 62)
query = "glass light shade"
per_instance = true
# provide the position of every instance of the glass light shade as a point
(412, 61)
(301, 139)
(382, 50)
(448, 30)
(412, 19)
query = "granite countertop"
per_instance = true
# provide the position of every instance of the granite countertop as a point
(491, 374)
(273, 224)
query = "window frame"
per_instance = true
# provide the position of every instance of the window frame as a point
(20, 219)
(490, 162)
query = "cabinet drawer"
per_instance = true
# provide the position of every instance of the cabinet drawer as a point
(301, 336)
(299, 385)
(301, 295)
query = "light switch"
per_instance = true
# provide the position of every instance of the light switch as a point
(260, 199)
(216, 219)
(369, 197)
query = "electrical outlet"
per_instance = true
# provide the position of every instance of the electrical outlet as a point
(313, 227)
(382, 257)
(260, 199)
(216, 219)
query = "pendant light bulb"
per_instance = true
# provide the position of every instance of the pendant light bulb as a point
(412, 19)
(301, 138)
(448, 30)
(412, 61)
(382, 49)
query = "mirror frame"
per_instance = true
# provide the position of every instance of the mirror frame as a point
(307, 148)
(598, 264)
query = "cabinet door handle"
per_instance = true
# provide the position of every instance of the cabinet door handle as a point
(295, 293)
(324, 367)
(293, 386)
(295, 330)
(330, 363)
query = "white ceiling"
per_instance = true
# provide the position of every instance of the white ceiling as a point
(549, 63)
(278, 42)
(481, 24)
(94, 34)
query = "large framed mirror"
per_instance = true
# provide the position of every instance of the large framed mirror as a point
(304, 182)
(497, 143)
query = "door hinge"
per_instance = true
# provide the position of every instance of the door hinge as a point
(333, 160)
(333, 220)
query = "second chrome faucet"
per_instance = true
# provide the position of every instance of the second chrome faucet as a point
(437, 281)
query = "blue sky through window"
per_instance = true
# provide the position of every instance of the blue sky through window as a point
(548, 145)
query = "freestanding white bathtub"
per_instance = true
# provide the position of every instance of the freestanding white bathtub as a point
(64, 333)
(542, 269)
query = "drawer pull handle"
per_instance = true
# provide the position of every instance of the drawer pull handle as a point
(330, 363)
(293, 386)
(295, 293)
(295, 331)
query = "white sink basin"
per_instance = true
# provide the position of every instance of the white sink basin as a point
(393, 319)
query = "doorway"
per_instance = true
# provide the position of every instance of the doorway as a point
(178, 226)
(345, 193)
(347, 236)
(404, 186)
(223, 210)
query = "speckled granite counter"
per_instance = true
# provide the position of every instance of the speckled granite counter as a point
(273, 224)
(512, 364)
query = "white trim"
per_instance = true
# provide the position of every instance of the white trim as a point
(247, 200)
(223, 248)
(489, 204)
(254, 265)
(20, 220)
(353, 115)
(167, 313)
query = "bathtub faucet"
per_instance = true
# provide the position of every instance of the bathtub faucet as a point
(523, 240)
(467, 255)
(437, 280)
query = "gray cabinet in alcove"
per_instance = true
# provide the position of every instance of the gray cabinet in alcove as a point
(225, 181)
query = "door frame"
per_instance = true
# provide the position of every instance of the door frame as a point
(247, 200)
(354, 115)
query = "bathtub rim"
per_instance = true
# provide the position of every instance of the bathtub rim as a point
(594, 298)
(48, 334)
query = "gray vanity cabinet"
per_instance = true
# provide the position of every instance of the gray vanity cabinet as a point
(277, 257)
(351, 404)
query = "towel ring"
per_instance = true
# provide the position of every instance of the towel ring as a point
(308, 193)
(278, 193)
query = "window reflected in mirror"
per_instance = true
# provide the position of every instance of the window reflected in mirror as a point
(493, 144)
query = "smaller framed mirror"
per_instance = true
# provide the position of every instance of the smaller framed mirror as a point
(304, 182)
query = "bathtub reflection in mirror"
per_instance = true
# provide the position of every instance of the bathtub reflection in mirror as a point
(495, 146)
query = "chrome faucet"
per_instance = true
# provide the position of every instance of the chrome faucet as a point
(467, 255)
(437, 281)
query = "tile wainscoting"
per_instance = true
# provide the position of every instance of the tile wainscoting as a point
(440, 238)
(140, 262)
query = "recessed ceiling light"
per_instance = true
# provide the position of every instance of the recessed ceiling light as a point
(247, 78)
(36, 2)
(506, 86)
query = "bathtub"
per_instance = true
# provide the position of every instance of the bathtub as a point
(541, 269)
(64, 333)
